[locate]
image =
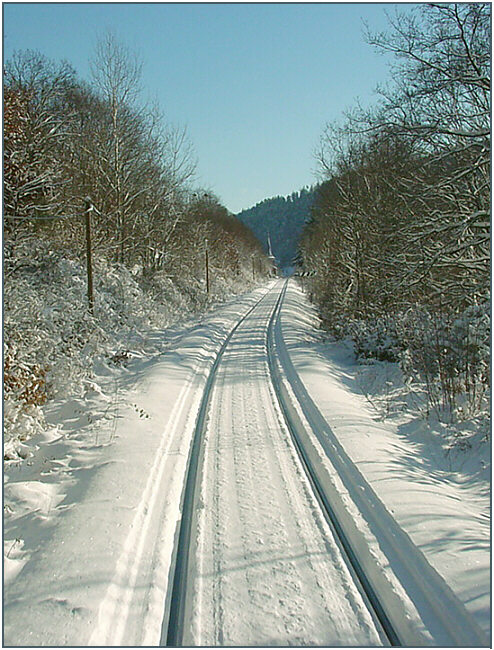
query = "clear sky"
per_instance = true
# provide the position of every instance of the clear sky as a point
(253, 83)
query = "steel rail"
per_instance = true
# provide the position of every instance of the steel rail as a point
(443, 615)
(173, 625)
(349, 555)
(388, 610)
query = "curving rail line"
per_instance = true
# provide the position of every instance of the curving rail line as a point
(436, 605)
(446, 621)
(172, 629)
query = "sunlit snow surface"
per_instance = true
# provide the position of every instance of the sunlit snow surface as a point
(91, 513)
(438, 492)
(269, 572)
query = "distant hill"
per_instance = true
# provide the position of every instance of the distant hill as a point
(283, 217)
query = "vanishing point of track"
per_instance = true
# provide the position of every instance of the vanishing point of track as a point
(173, 624)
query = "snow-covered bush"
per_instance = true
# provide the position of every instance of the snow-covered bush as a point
(447, 354)
(51, 340)
(375, 339)
(451, 354)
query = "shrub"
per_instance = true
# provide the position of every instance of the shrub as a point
(448, 353)
(375, 339)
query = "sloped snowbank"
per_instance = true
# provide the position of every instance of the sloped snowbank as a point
(433, 477)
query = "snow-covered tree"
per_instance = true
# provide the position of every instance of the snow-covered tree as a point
(35, 118)
(402, 222)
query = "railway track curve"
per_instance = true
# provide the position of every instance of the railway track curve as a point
(440, 617)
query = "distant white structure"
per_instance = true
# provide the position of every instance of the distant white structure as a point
(271, 257)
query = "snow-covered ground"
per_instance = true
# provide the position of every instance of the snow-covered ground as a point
(91, 513)
(268, 569)
(51, 342)
(86, 550)
(437, 489)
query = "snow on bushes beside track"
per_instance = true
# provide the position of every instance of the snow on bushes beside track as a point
(51, 341)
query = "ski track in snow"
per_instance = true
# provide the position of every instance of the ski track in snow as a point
(114, 611)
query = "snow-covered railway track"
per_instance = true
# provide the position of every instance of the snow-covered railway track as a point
(173, 622)
(274, 490)
(412, 601)
(257, 505)
(269, 552)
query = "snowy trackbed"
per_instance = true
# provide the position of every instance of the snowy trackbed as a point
(412, 601)
(263, 565)
(230, 516)
(268, 506)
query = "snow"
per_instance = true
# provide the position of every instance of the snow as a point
(269, 571)
(438, 492)
(120, 464)
(52, 343)
(92, 503)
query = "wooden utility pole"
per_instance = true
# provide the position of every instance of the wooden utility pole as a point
(89, 263)
(207, 267)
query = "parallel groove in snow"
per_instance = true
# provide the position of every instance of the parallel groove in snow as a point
(269, 571)
(446, 620)
(320, 493)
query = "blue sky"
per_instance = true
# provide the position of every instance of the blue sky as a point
(253, 83)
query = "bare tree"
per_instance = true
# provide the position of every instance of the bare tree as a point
(116, 75)
(441, 103)
(35, 126)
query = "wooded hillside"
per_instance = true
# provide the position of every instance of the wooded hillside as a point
(283, 219)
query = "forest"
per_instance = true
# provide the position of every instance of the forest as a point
(398, 247)
(91, 168)
(394, 243)
(283, 220)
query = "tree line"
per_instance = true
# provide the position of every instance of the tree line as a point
(67, 140)
(400, 234)
(282, 218)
